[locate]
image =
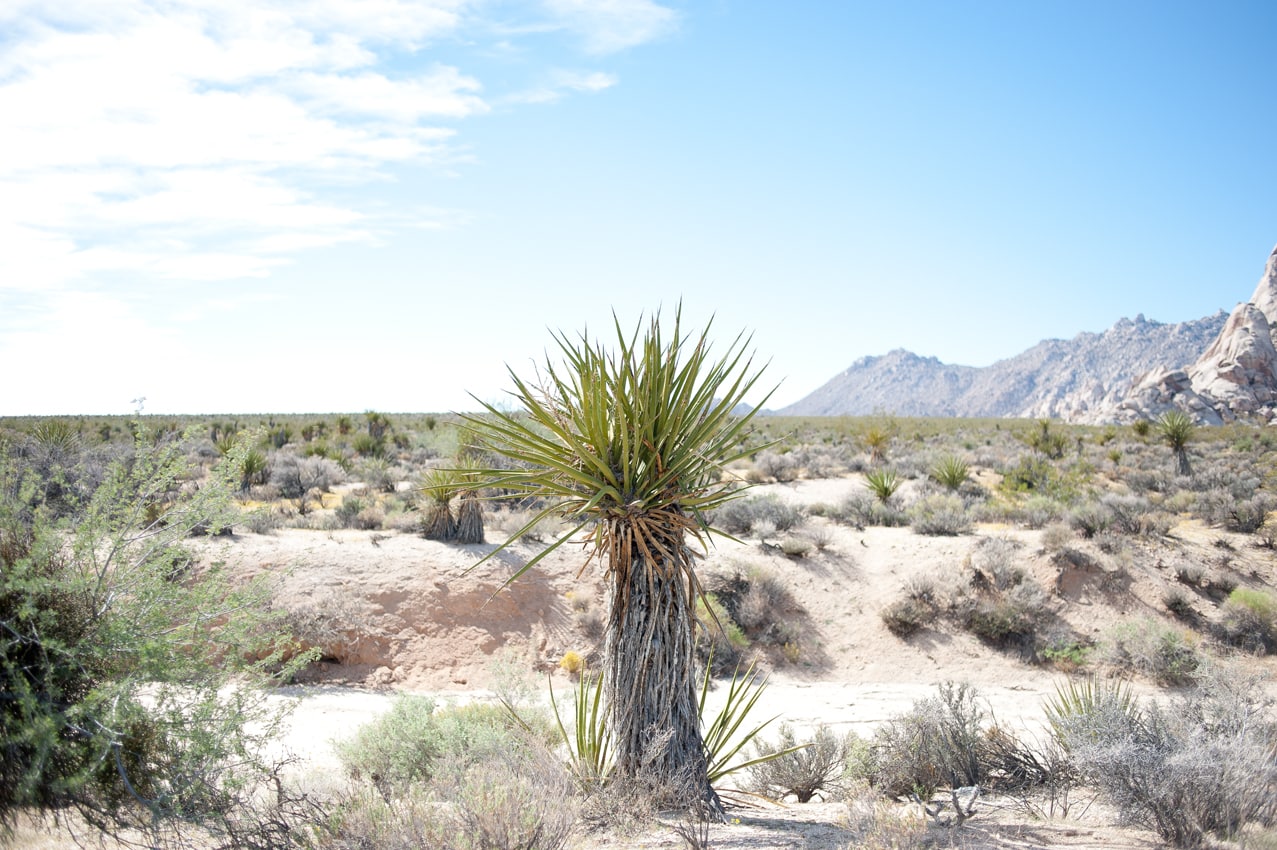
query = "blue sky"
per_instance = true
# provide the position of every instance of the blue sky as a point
(317, 205)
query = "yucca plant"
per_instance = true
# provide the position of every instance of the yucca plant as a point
(883, 483)
(951, 472)
(439, 488)
(1175, 427)
(589, 743)
(628, 444)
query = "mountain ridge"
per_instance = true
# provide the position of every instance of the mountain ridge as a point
(1080, 379)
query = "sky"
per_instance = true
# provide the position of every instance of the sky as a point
(249, 206)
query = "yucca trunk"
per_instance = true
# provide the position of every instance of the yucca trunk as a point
(439, 523)
(469, 519)
(651, 684)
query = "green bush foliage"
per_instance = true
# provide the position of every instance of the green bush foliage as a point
(1249, 620)
(116, 655)
(407, 745)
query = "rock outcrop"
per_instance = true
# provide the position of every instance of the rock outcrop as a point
(1235, 377)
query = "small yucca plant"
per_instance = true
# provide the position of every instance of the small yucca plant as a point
(883, 483)
(951, 472)
(628, 444)
(1175, 427)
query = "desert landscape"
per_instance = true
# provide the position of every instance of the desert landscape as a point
(886, 556)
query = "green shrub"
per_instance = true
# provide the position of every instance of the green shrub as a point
(407, 745)
(116, 656)
(1164, 654)
(1249, 620)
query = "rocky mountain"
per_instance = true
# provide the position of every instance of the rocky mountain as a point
(1235, 377)
(1064, 379)
(1134, 370)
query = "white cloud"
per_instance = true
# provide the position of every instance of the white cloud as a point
(561, 83)
(607, 26)
(173, 129)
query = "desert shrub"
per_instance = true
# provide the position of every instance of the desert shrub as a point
(1200, 767)
(1000, 621)
(364, 819)
(351, 504)
(1031, 473)
(940, 514)
(1178, 603)
(1167, 655)
(758, 600)
(937, 743)
(521, 801)
(797, 546)
(366, 445)
(907, 616)
(1249, 620)
(776, 466)
(1056, 536)
(410, 743)
(261, 520)
(511, 803)
(997, 560)
(863, 509)
(819, 767)
(116, 654)
(743, 515)
(1127, 514)
(296, 476)
(1090, 519)
(379, 474)
(1066, 654)
(332, 625)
